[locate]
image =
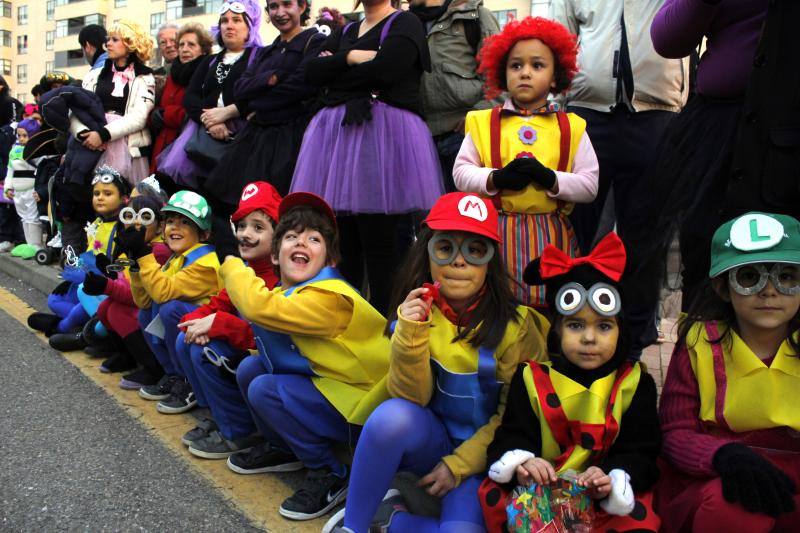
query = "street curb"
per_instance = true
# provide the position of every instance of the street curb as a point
(42, 278)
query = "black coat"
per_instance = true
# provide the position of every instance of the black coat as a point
(765, 172)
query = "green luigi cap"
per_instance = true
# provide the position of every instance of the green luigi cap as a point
(755, 238)
(192, 206)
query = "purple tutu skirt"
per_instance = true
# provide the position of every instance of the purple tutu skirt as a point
(173, 161)
(388, 165)
(117, 155)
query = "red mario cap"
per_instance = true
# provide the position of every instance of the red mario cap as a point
(258, 195)
(461, 211)
(296, 199)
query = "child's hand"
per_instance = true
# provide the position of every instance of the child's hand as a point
(536, 470)
(36, 196)
(415, 307)
(197, 329)
(597, 483)
(440, 481)
(9, 193)
(92, 140)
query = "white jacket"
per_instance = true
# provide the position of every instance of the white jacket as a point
(141, 101)
(659, 83)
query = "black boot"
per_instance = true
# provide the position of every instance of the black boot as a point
(122, 360)
(44, 322)
(67, 342)
(142, 354)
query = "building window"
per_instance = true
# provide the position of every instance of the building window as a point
(70, 58)
(7, 38)
(51, 9)
(49, 40)
(7, 10)
(120, 3)
(156, 20)
(22, 44)
(22, 73)
(49, 66)
(177, 9)
(22, 15)
(74, 25)
(504, 17)
(6, 64)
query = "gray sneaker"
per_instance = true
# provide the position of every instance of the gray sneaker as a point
(393, 502)
(203, 429)
(215, 446)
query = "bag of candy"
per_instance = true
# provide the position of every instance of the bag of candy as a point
(561, 507)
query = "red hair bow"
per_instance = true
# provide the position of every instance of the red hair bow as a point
(608, 257)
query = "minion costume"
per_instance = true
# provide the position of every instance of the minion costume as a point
(322, 360)
(187, 280)
(576, 418)
(448, 396)
(71, 306)
(728, 415)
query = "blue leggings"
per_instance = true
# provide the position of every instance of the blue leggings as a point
(171, 313)
(68, 308)
(403, 436)
(90, 303)
(292, 414)
(219, 390)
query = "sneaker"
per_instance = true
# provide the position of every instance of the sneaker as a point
(263, 458)
(203, 428)
(321, 491)
(55, 242)
(136, 380)
(215, 446)
(44, 322)
(67, 342)
(6, 246)
(392, 503)
(179, 401)
(161, 390)
(120, 362)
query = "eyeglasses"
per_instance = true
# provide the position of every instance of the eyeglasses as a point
(443, 248)
(144, 217)
(751, 279)
(219, 360)
(236, 7)
(601, 297)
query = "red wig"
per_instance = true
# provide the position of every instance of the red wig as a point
(494, 54)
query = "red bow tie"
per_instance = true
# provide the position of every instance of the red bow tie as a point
(608, 257)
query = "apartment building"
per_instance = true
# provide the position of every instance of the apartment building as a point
(42, 35)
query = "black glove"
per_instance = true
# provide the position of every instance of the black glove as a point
(519, 173)
(62, 288)
(132, 241)
(95, 284)
(357, 111)
(752, 481)
(157, 119)
(101, 261)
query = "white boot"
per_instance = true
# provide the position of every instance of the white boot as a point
(26, 230)
(34, 235)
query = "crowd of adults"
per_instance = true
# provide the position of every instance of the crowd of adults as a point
(373, 120)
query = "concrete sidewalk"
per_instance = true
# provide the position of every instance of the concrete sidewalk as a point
(42, 278)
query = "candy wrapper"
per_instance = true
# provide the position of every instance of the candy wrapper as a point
(562, 507)
(432, 294)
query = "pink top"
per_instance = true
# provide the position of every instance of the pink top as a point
(580, 185)
(688, 445)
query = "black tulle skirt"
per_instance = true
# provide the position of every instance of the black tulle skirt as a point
(259, 153)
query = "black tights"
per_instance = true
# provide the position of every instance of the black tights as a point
(373, 247)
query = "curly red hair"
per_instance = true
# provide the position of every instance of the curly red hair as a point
(494, 53)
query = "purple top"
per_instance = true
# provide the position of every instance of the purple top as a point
(732, 29)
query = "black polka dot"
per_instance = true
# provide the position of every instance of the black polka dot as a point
(587, 441)
(639, 512)
(545, 369)
(493, 497)
(552, 400)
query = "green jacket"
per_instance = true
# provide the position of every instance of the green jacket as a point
(453, 88)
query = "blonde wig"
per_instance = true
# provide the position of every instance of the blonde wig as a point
(135, 38)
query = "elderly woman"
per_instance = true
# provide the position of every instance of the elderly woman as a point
(210, 103)
(126, 88)
(194, 44)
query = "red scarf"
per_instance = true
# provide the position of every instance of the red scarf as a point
(451, 314)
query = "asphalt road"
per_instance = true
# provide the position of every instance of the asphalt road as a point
(72, 458)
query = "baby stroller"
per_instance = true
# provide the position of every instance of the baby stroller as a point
(44, 150)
